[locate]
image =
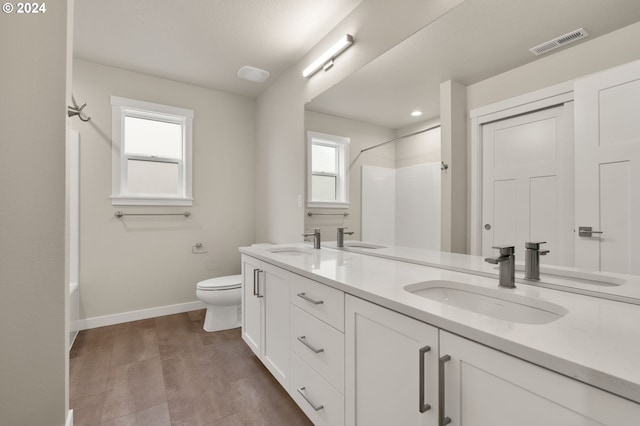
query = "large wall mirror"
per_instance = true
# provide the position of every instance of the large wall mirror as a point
(474, 41)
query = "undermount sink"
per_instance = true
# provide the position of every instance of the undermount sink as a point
(358, 244)
(291, 251)
(497, 303)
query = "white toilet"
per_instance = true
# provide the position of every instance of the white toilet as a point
(222, 296)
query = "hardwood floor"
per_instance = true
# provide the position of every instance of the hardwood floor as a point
(168, 371)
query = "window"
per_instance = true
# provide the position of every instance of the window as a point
(151, 154)
(328, 165)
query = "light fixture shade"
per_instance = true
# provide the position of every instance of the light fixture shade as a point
(254, 74)
(335, 50)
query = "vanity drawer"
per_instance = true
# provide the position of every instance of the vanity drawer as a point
(319, 300)
(311, 392)
(319, 345)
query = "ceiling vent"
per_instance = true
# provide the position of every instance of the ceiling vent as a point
(559, 42)
(254, 74)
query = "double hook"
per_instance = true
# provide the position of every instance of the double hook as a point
(77, 110)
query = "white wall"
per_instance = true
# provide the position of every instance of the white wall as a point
(418, 149)
(377, 25)
(144, 262)
(604, 52)
(363, 135)
(33, 358)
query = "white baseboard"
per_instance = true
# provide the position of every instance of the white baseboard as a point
(95, 322)
(69, 421)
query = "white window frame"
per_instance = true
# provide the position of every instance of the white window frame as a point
(341, 143)
(123, 107)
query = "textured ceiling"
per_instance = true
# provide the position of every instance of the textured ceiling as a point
(475, 40)
(204, 42)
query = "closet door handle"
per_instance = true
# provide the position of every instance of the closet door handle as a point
(255, 280)
(303, 340)
(306, 398)
(423, 406)
(442, 420)
(308, 299)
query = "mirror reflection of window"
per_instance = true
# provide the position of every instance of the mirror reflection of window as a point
(324, 172)
(328, 181)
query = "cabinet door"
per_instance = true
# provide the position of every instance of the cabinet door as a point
(487, 387)
(385, 354)
(251, 306)
(274, 289)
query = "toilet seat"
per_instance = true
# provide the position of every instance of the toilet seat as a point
(221, 283)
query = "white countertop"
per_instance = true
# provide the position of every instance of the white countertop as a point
(621, 287)
(597, 341)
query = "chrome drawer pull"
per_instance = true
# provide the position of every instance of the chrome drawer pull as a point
(255, 281)
(308, 299)
(442, 419)
(423, 407)
(306, 398)
(303, 340)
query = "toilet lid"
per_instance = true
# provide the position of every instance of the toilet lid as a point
(221, 283)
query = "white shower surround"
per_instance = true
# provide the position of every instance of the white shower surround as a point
(402, 206)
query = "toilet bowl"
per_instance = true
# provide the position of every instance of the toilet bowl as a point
(222, 296)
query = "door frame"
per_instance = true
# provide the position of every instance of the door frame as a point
(518, 105)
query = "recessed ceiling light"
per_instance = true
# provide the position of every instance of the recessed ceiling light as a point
(416, 113)
(253, 74)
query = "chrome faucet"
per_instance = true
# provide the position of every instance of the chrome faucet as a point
(507, 264)
(316, 237)
(532, 255)
(341, 235)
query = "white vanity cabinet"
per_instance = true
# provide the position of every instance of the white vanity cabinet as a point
(348, 361)
(265, 315)
(317, 350)
(483, 386)
(391, 367)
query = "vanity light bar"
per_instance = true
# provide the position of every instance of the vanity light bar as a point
(328, 56)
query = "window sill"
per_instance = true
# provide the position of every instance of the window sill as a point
(328, 204)
(150, 201)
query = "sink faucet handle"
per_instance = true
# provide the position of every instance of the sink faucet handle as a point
(506, 250)
(534, 245)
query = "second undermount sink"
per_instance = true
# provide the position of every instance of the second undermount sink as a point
(500, 304)
(291, 251)
(359, 244)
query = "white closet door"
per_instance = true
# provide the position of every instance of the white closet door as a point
(527, 183)
(607, 129)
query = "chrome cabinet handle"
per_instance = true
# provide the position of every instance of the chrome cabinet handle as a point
(442, 420)
(303, 340)
(306, 398)
(258, 292)
(423, 406)
(255, 280)
(308, 299)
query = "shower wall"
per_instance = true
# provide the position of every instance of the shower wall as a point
(402, 206)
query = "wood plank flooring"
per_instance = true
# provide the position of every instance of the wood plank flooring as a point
(168, 371)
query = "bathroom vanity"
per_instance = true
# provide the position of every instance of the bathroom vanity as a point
(358, 339)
